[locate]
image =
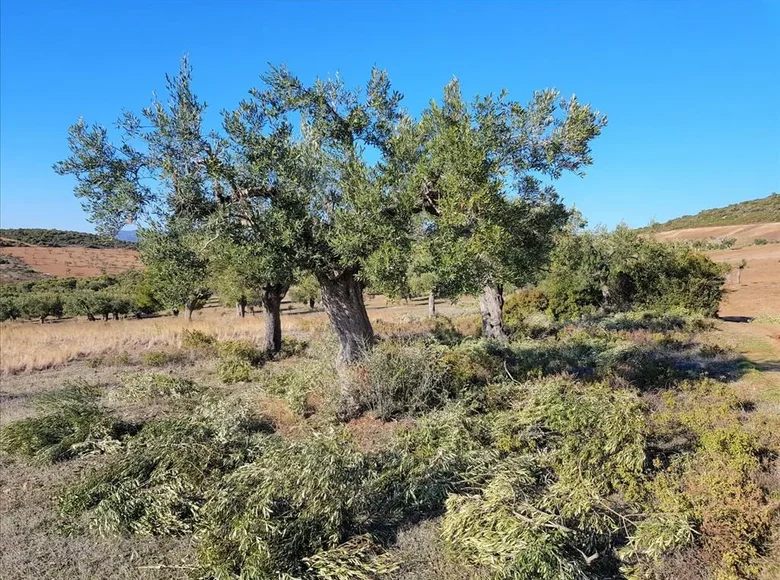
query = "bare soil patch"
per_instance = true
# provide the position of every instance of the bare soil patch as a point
(76, 262)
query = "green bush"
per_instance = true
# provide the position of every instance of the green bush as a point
(619, 271)
(405, 378)
(761, 241)
(238, 360)
(69, 423)
(161, 358)
(197, 339)
(143, 386)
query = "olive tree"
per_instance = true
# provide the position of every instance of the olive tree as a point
(492, 218)
(354, 156)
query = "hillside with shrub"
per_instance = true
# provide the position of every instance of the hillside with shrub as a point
(755, 211)
(59, 239)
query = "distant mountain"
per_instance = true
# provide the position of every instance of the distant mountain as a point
(128, 236)
(60, 238)
(756, 211)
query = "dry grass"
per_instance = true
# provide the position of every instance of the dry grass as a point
(27, 346)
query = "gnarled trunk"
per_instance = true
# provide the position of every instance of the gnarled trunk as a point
(342, 297)
(491, 306)
(272, 301)
(431, 303)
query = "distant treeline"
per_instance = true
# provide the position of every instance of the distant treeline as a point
(59, 238)
(103, 297)
(756, 211)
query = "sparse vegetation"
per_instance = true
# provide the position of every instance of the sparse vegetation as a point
(58, 238)
(755, 211)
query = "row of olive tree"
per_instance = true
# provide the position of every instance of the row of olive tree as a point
(341, 184)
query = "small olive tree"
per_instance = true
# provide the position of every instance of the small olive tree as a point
(492, 220)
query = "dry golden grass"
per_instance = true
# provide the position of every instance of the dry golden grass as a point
(28, 346)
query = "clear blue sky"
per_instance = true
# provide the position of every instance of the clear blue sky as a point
(692, 89)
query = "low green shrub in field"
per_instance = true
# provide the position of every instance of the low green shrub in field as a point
(161, 358)
(238, 360)
(147, 385)
(707, 498)
(197, 339)
(69, 423)
(405, 378)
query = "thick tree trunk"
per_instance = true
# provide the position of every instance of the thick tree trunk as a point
(431, 304)
(272, 301)
(342, 298)
(241, 307)
(491, 305)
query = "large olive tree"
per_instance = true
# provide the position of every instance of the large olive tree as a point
(480, 178)
(354, 154)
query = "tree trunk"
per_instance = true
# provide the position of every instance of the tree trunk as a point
(311, 303)
(431, 304)
(491, 305)
(241, 307)
(272, 301)
(342, 298)
(188, 312)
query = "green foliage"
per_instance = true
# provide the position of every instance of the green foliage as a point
(40, 306)
(69, 423)
(622, 270)
(492, 221)
(157, 485)
(9, 309)
(405, 379)
(707, 498)
(161, 358)
(58, 238)
(176, 273)
(238, 360)
(755, 211)
(761, 241)
(197, 339)
(306, 291)
(144, 386)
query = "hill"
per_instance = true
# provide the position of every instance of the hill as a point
(59, 238)
(756, 211)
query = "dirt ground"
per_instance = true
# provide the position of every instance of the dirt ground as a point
(74, 261)
(756, 290)
(743, 233)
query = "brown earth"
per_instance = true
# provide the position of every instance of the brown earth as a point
(756, 290)
(74, 261)
(743, 234)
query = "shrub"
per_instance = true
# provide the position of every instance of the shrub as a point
(158, 484)
(142, 386)
(69, 423)
(761, 241)
(160, 358)
(621, 270)
(405, 379)
(238, 360)
(9, 309)
(291, 346)
(197, 339)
